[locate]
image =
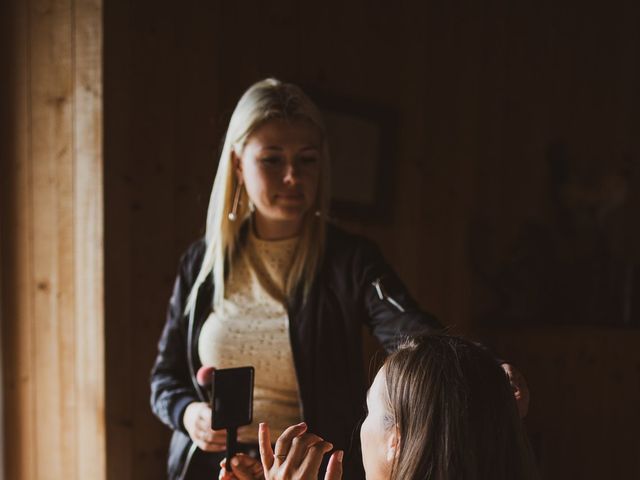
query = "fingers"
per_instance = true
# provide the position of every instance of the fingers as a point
(196, 420)
(212, 440)
(250, 466)
(264, 441)
(312, 456)
(246, 468)
(243, 467)
(283, 444)
(522, 397)
(207, 439)
(334, 469)
(298, 454)
(520, 388)
(203, 419)
(306, 450)
(224, 475)
(203, 424)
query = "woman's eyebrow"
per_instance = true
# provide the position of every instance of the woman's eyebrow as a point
(279, 148)
(271, 147)
(310, 147)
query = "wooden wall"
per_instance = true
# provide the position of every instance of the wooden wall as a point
(51, 249)
(479, 92)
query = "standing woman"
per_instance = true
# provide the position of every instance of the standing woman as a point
(273, 285)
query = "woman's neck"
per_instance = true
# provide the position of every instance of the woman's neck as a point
(268, 229)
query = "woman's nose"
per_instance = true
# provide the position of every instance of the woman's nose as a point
(291, 173)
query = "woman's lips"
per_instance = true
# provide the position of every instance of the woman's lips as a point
(291, 197)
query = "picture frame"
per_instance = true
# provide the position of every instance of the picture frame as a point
(361, 136)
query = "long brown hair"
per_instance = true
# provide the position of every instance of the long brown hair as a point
(455, 412)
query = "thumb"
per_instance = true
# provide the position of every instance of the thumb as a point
(224, 475)
(334, 469)
(245, 467)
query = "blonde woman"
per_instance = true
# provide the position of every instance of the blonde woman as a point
(275, 286)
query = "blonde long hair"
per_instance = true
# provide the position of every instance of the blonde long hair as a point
(263, 101)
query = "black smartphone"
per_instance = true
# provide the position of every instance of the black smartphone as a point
(232, 397)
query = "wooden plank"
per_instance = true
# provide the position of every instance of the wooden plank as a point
(52, 229)
(585, 390)
(89, 244)
(17, 286)
(52, 322)
(119, 58)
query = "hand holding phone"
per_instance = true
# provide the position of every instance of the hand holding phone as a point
(232, 403)
(197, 422)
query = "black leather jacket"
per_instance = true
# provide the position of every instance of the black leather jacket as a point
(354, 287)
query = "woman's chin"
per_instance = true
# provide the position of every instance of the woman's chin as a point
(291, 213)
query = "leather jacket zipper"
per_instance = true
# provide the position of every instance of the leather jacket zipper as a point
(384, 296)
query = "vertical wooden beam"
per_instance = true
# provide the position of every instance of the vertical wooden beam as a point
(17, 288)
(89, 244)
(52, 267)
(51, 65)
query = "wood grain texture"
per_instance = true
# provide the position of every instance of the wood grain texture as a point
(89, 241)
(17, 285)
(585, 385)
(51, 139)
(52, 251)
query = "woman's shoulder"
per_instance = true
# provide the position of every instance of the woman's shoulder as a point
(191, 259)
(195, 249)
(338, 237)
(341, 243)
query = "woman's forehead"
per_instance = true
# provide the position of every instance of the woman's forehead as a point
(378, 385)
(280, 132)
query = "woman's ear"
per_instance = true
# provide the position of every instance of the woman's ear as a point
(237, 165)
(393, 445)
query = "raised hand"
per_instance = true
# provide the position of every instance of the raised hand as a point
(298, 455)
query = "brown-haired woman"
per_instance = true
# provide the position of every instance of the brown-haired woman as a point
(440, 408)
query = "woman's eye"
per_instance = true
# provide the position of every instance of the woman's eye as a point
(308, 160)
(270, 161)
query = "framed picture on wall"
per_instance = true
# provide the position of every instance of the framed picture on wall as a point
(361, 143)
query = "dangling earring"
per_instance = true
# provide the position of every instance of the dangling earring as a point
(233, 214)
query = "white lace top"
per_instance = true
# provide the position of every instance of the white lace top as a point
(252, 328)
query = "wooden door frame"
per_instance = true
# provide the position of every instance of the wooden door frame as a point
(51, 210)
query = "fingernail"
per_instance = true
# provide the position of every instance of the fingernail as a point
(235, 462)
(301, 424)
(340, 455)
